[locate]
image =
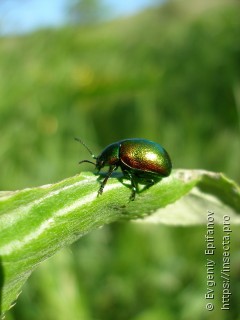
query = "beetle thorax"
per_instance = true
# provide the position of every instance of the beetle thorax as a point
(109, 156)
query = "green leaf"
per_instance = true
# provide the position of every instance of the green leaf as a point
(35, 223)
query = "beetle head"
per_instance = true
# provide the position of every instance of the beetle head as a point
(100, 163)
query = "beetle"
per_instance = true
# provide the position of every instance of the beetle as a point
(140, 160)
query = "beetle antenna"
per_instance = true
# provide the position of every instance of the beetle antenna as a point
(93, 156)
(87, 162)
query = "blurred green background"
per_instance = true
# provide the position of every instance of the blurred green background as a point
(170, 74)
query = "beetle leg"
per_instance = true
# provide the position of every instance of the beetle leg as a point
(149, 183)
(134, 189)
(134, 186)
(103, 183)
(133, 194)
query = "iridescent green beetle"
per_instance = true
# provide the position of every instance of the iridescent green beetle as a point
(140, 160)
